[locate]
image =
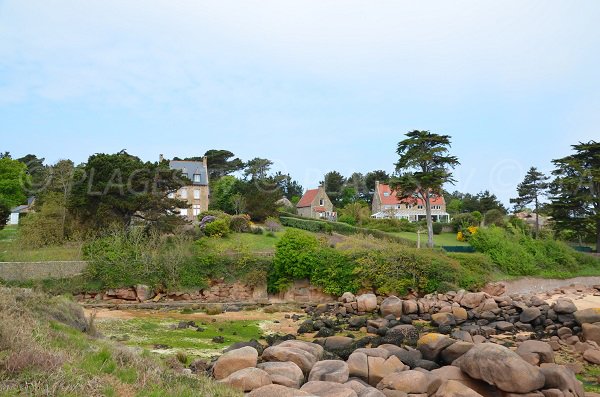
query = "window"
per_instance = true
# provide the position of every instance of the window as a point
(184, 174)
(183, 211)
(398, 207)
(197, 194)
(386, 194)
(197, 178)
(171, 195)
(196, 209)
(321, 202)
(420, 207)
(183, 193)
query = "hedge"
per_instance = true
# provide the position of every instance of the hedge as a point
(317, 226)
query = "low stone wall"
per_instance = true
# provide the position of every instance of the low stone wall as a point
(23, 271)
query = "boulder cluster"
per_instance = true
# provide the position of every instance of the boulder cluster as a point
(458, 344)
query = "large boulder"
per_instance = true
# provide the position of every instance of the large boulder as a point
(471, 300)
(330, 371)
(367, 302)
(431, 345)
(443, 319)
(234, 360)
(450, 372)
(411, 382)
(561, 378)
(276, 390)
(501, 367)
(301, 358)
(410, 306)
(542, 351)
(391, 305)
(143, 292)
(564, 306)
(380, 367)
(312, 348)
(248, 379)
(453, 388)
(328, 389)
(591, 315)
(284, 373)
(591, 332)
(592, 356)
(455, 350)
(529, 314)
(358, 365)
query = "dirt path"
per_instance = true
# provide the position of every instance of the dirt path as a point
(531, 285)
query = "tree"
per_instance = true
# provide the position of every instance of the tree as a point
(373, 176)
(4, 214)
(257, 168)
(358, 182)
(121, 187)
(220, 163)
(36, 171)
(13, 179)
(575, 202)
(333, 182)
(289, 187)
(423, 168)
(260, 198)
(359, 211)
(60, 180)
(533, 187)
(222, 192)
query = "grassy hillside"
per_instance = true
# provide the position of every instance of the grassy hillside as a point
(438, 239)
(44, 350)
(10, 251)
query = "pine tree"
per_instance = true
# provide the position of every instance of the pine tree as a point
(533, 187)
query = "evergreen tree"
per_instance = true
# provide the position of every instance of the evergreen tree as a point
(533, 187)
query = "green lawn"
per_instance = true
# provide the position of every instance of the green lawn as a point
(438, 239)
(242, 242)
(11, 251)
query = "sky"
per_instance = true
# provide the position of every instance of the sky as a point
(312, 85)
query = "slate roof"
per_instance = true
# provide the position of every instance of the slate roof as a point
(190, 168)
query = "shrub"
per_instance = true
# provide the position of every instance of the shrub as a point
(462, 221)
(494, 217)
(240, 223)
(217, 228)
(437, 227)
(347, 219)
(505, 252)
(296, 256)
(273, 224)
(257, 230)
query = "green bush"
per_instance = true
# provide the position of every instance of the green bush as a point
(217, 228)
(296, 256)
(216, 213)
(273, 224)
(240, 223)
(390, 225)
(463, 221)
(494, 217)
(504, 250)
(335, 272)
(347, 219)
(437, 227)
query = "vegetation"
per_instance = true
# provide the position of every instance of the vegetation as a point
(531, 190)
(47, 346)
(423, 166)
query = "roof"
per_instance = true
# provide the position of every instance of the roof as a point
(320, 209)
(191, 168)
(392, 199)
(308, 198)
(20, 208)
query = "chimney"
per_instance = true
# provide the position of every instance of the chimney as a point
(205, 161)
(160, 158)
(376, 185)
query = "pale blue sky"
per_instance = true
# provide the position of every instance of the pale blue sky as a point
(313, 85)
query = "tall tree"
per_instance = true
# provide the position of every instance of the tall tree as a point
(333, 182)
(531, 190)
(257, 168)
(13, 179)
(221, 163)
(121, 187)
(576, 190)
(290, 188)
(423, 167)
(37, 172)
(373, 176)
(222, 193)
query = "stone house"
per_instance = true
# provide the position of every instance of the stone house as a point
(316, 204)
(387, 205)
(196, 194)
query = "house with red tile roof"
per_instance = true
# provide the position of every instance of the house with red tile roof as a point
(386, 204)
(316, 204)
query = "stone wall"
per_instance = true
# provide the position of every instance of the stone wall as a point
(22, 271)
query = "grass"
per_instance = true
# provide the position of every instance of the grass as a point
(244, 242)
(42, 355)
(159, 335)
(438, 239)
(11, 251)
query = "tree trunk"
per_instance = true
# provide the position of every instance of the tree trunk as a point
(598, 235)
(429, 220)
(537, 218)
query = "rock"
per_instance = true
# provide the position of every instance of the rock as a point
(564, 306)
(454, 351)
(234, 360)
(495, 289)
(374, 352)
(591, 315)
(356, 322)
(453, 388)
(328, 389)
(562, 378)
(276, 390)
(358, 385)
(358, 365)
(409, 307)
(499, 366)
(460, 314)
(330, 371)
(542, 349)
(347, 297)
(411, 382)
(472, 299)
(248, 379)
(530, 314)
(380, 367)
(143, 292)
(443, 319)
(592, 356)
(371, 392)
(591, 332)
(391, 305)
(284, 373)
(301, 358)
(504, 326)
(367, 303)
(450, 372)
(431, 345)
(252, 343)
(312, 348)
(338, 342)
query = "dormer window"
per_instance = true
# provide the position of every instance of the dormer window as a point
(197, 178)
(386, 194)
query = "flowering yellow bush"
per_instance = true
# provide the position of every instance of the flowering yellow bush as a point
(472, 229)
(460, 236)
(465, 234)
